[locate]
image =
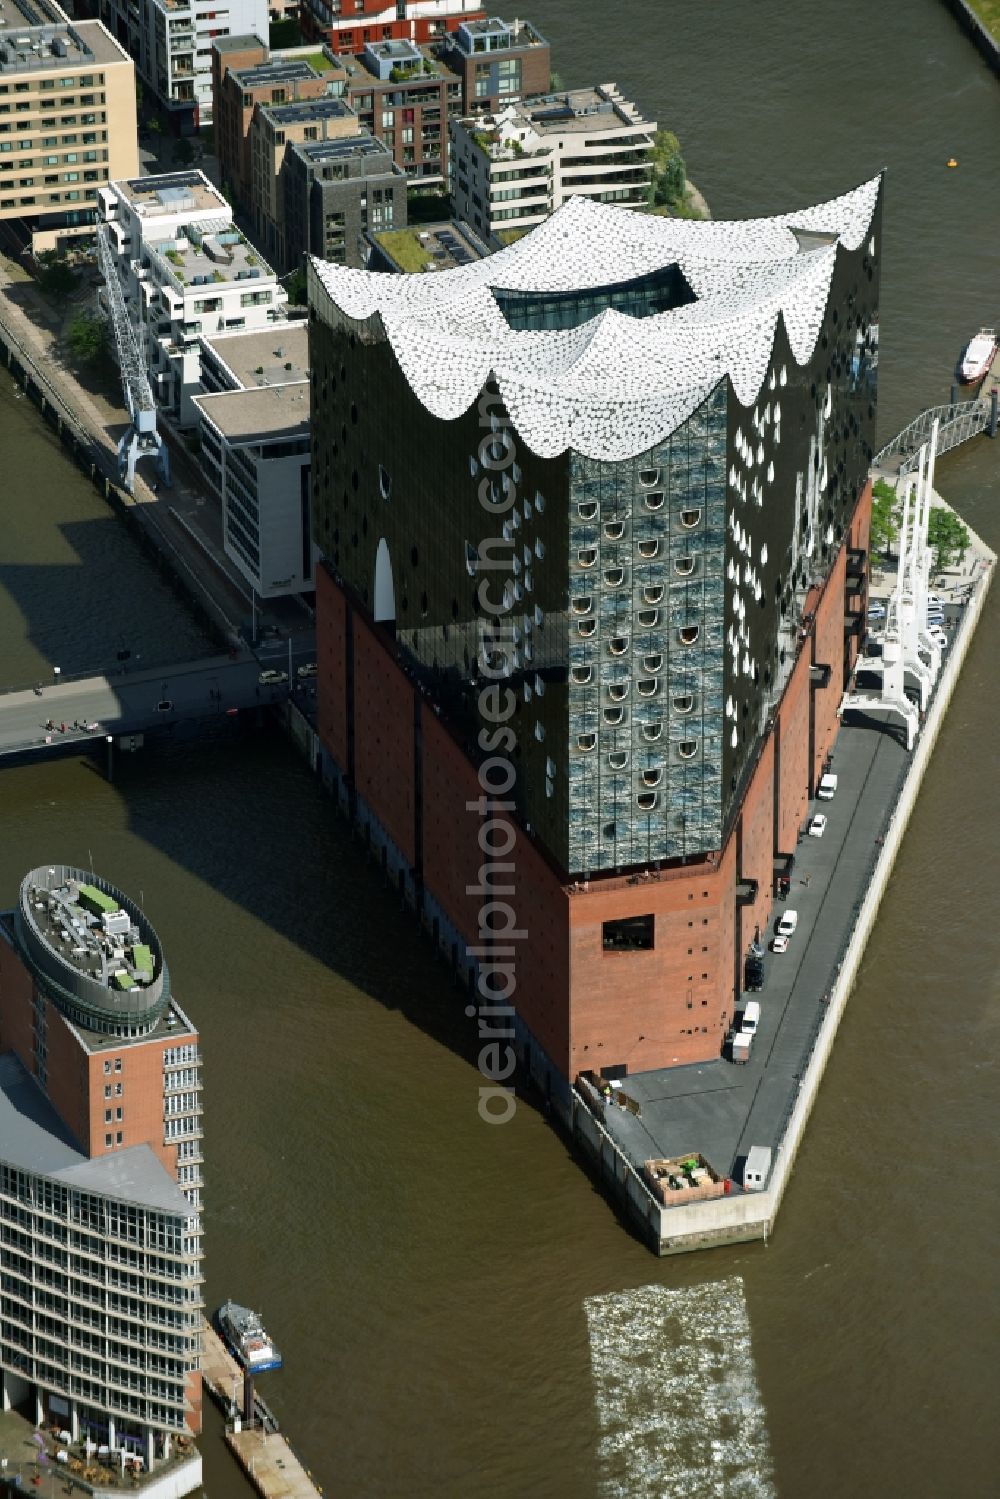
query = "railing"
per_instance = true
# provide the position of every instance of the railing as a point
(958, 422)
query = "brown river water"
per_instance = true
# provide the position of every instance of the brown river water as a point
(460, 1311)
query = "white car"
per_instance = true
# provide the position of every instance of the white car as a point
(827, 788)
(876, 610)
(935, 617)
(817, 826)
(933, 602)
(780, 944)
(787, 923)
(938, 636)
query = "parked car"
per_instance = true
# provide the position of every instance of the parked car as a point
(750, 1018)
(938, 636)
(787, 923)
(935, 617)
(827, 788)
(308, 670)
(271, 677)
(933, 602)
(817, 825)
(780, 943)
(876, 610)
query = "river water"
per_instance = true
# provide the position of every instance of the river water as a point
(459, 1309)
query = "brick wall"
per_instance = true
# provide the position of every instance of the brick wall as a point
(829, 650)
(793, 768)
(383, 737)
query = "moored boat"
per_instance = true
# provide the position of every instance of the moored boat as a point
(978, 356)
(247, 1341)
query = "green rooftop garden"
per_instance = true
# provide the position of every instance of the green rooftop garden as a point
(405, 248)
(319, 61)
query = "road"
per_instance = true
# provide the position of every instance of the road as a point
(134, 702)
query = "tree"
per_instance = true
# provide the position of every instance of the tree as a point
(297, 289)
(88, 338)
(947, 537)
(57, 278)
(669, 178)
(885, 517)
(184, 152)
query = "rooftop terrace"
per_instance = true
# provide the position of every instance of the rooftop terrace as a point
(347, 148)
(90, 947)
(203, 254)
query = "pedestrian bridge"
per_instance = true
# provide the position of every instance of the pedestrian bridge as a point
(95, 708)
(957, 422)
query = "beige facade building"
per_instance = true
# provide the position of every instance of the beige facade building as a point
(67, 120)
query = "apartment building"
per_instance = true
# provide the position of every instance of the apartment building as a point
(510, 170)
(254, 431)
(274, 129)
(100, 1179)
(333, 193)
(349, 25)
(498, 61)
(171, 42)
(67, 120)
(245, 75)
(186, 270)
(404, 94)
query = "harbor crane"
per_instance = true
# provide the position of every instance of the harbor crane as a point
(141, 438)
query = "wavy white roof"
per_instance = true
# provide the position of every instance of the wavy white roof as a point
(616, 385)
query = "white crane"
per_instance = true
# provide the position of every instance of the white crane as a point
(142, 437)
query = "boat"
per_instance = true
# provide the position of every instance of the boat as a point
(978, 356)
(246, 1339)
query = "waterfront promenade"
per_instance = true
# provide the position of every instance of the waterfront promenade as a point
(720, 1109)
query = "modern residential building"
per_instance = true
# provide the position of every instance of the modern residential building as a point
(590, 598)
(67, 120)
(512, 169)
(186, 270)
(243, 76)
(100, 1176)
(349, 25)
(274, 128)
(498, 61)
(335, 193)
(171, 42)
(404, 95)
(427, 247)
(255, 450)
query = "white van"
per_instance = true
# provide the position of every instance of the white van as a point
(787, 923)
(751, 1018)
(756, 1168)
(827, 788)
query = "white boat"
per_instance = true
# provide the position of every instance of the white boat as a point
(248, 1342)
(978, 356)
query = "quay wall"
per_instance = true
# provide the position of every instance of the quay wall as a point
(96, 461)
(980, 34)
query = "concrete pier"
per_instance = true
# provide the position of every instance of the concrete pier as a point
(261, 1450)
(722, 1110)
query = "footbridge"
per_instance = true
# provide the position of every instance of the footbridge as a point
(102, 707)
(957, 422)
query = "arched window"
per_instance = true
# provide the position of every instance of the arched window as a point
(383, 593)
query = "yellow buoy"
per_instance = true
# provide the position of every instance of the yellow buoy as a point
(952, 162)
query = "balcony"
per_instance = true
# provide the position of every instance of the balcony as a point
(746, 892)
(819, 674)
(857, 562)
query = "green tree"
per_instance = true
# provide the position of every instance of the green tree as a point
(669, 180)
(57, 278)
(947, 537)
(296, 285)
(885, 517)
(88, 338)
(184, 152)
